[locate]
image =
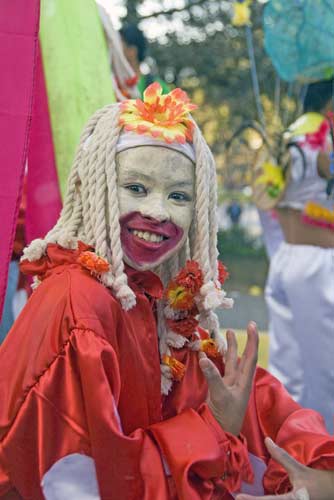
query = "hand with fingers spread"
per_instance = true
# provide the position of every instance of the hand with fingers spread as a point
(229, 395)
(308, 484)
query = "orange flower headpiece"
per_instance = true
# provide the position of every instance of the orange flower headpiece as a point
(163, 117)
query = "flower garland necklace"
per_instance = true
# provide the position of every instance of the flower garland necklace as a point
(184, 302)
(185, 297)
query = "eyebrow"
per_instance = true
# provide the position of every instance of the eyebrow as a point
(138, 175)
(181, 184)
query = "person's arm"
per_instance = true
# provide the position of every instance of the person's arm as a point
(307, 483)
(300, 432)
(191, 447)
(69, 427)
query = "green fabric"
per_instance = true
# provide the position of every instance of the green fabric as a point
(77, 72)
(146, 80)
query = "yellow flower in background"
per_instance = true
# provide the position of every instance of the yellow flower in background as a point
(242, 13)
(273, 178)
(165, 117)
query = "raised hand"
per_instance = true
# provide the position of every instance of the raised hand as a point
(229, 395)
(307, 483)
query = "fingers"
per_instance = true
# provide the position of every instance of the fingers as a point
(283, 457)
(208, 368)
(286, 496)
(301, 494)
(212, 375)
(231, 357)
(248, 360)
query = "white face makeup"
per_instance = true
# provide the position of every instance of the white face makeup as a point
(156, 200)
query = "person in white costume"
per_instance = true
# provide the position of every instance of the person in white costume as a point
(300, 288)
(271, 231)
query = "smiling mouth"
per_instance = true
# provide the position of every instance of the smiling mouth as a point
(148, 236)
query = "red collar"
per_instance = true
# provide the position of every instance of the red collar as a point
(144, 281)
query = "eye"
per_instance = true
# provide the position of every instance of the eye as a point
(179, 196)
(136, 188)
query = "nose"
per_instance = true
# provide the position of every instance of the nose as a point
(155, 208)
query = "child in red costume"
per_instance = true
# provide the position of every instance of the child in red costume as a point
(106, 373)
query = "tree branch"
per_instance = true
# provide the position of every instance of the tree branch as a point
(172, 11)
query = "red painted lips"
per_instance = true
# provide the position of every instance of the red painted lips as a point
(160, 238)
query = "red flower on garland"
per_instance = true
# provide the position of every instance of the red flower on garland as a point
(185, 327)
(223, 274)
(190, 276)
(179, 297)
(94, 263)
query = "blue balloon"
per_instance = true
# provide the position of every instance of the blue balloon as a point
(299, 38)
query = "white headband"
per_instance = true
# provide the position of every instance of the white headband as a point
(128, 140)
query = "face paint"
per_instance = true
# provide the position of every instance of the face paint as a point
(156, 199)
(146, 240)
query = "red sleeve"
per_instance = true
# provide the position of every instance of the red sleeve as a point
(192, 447)
(301, 432)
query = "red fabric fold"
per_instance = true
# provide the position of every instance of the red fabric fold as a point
(204, 460)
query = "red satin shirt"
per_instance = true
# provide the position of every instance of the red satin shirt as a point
(81, 375)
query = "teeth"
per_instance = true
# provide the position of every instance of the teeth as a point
(154, 238)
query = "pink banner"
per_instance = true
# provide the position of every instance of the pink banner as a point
(19, 23)
(43, 194)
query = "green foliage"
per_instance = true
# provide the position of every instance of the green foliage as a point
(194, 45)
(235, 242)
(245, 259)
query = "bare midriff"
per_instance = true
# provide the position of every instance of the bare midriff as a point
(298, 232)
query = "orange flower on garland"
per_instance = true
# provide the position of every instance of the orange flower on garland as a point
(179, 297)
(94, 263)
(177, 368)
(164, 117)
(223, 274)
(210, 348)
(190, 276)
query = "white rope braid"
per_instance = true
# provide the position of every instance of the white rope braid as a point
(202, 206)
(120, 285)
